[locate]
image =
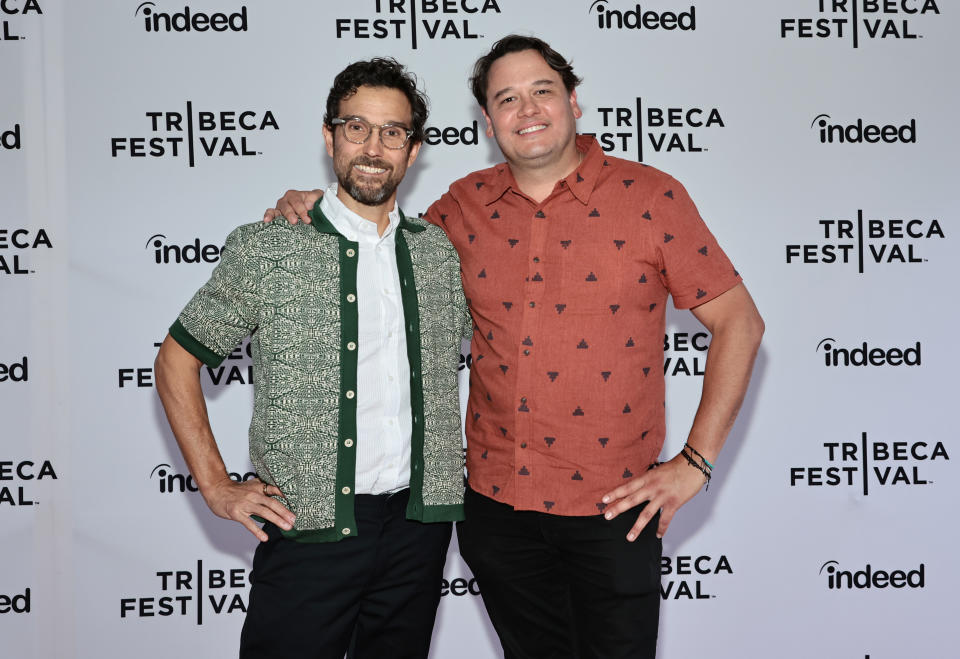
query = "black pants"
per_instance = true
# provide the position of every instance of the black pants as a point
(371, 596)
(564, 587)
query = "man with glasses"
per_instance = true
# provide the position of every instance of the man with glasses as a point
(355, 323)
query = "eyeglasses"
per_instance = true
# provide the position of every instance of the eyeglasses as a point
(357, 130)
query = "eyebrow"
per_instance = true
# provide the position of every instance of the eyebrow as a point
(535, 83)
(398, 124)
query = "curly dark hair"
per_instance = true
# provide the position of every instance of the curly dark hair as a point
(379, 72)
(515, 43)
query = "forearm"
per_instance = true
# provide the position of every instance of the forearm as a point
(177, 375)
(730, 360)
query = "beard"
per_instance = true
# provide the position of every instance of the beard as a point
(367, 193)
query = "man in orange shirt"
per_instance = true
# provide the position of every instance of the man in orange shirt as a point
(567, 257)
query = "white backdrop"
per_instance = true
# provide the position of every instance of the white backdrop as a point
(829, 528)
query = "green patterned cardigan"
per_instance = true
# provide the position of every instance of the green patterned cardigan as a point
(292, 288)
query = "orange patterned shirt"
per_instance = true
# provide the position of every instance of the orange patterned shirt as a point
(568, 299)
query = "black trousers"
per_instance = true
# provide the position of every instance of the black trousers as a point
(371, 596)
(564, 587)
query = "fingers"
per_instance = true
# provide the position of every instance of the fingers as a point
(240, 501)
(624, 497)
(271, 214)
(302, 206)
(642, 520)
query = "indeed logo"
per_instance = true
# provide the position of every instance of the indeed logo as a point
(638, 19)
(838, 579)
(10, 139)
(859, 132)
(452, 135)
(15, 603)
(15, 372)
(189, 253)
(171, 482)
(190, 20)
(863, 355)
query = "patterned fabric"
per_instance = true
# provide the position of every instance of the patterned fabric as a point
(293, 289)
(568, 297)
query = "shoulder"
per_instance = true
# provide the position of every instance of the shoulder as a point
(476, 181)
(639, 172)
(258, 237)
(427, 236)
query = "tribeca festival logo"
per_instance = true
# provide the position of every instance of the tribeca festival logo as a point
(226, 374)
(166, 252)
(639, 18)
(860, 132)
(690, 576)
(416, 19)
(170, 482)
(10, 139)
(16, 477)
(649, 128)
(10, 9)
(864, 355)
(190, 20)
(858, 20)
(872, 578)
(866, 241)
(685, 353)
(20, 240)
(19, 603)
(872, 463)
(191, 593)
(197, 134)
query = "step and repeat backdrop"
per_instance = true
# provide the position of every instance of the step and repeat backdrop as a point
(818, 137)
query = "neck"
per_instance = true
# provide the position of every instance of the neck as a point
(379, 214)
(537, 179)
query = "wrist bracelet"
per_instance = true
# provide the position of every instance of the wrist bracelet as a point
(705, 468)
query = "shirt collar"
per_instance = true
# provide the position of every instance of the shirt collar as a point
(581, 181)
(320, 221)
(349, 224)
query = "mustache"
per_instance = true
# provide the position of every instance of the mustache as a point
(367, 161)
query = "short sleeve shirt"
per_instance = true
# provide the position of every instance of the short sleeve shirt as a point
(568, 300)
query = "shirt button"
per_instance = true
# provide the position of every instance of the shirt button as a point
(345, 531)
(536, 259)
(523, 445)
(348, 443)
(351, 346)
(345, 490)
(526, 351)
(351, 394)
(533, 304)
(351, 252)
(523, 400)
(351, 298)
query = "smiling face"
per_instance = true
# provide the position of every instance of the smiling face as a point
(530, 112)
(369, 173)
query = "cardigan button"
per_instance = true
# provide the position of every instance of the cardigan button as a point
(345, 531)
(345, 490)
(351, 252)
(351, 394)
(351, 298)
(351, 346)
(348, 443)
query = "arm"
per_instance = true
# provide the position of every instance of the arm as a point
(177, 375)
(737, 327)
(294, 205)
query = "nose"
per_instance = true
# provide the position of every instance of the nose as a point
(528, 106)
(373, 146)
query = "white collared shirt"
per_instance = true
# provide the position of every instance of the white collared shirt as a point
(383, 372)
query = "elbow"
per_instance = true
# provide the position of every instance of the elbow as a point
(755, 328)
